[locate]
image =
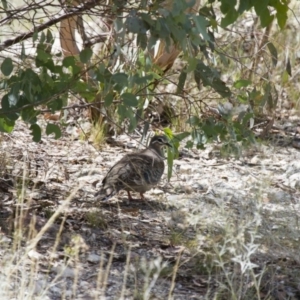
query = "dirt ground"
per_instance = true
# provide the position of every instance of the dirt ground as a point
(223, 228)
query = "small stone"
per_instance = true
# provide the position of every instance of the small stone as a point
(39, 286)
(279, 197)
(94, 258)
(188, 189)
(157, 192)
(294, 181)
(200, 186)
(185, 169)
(65, 272)
(255, 160)
(32, 254)
(293, 168)
(131, 145)
(68, 294)
(55, 289)
(84, 284)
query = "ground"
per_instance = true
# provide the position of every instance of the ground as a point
(222, 228)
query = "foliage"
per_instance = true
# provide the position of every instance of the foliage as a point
(46, 84)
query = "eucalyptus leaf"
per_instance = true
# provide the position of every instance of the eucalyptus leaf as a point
(36, 132)
(129, 99)
(7, 66)
(53, 128)
(6, 125)
(85, 55)
(274, 53)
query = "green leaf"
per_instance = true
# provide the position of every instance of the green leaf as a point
(52, 128)
(199, 137)
(201, 24)
(69, 61)
(129, 99)
(193, 121)
(142, 40)
(227, 5)
(189, 144)
(178, 7)
(181, 82)
(210, 77)
(285, 77)
(122, 111)
(136, 79)
(152, 42)
(23, 53)
(288, 67)
(36, 132)
(265, 17)
(49, 37)
(108, 100)
(5, 6)
(35, 36)
(246, 117)
(181, 136)
(121, 79)
(29, 115)
(104, 75)
(244, 5)
(267, 97)
(273, 52)
(55, 105)
(241, 83)
(132, 119)
(170, 160)
(136, 25)
(168, 132)
(230, 18)
(6, 125)
(86, 90)
(192, 64)
(42, 38)
(8, 101)
(281, 14)
(42, 56)
(7, 66)
(178, 34)
(120, 31)
(224, 59)
(85, 55)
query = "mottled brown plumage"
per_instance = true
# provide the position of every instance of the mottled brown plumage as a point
(137, 172)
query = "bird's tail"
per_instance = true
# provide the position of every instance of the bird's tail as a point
(105, 193)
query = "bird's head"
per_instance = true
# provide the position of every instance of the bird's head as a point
(159, 141)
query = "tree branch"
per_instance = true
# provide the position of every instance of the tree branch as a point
(72, 12)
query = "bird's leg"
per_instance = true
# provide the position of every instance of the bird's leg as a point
(129, 195)
(142, 196)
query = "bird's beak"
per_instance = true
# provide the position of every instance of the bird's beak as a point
(168, 144)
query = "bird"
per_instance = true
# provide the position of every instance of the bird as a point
(136, 172)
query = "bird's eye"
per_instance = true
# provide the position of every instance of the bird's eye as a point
(160, 140)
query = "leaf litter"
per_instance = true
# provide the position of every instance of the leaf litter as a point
(220, 224)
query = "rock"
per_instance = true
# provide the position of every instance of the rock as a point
(32, 254)
(292, 168)
(157, 192)
(63, 271)
(185, 169)
(279, 197)
(93, 258)
(40, 286)
(293, 181)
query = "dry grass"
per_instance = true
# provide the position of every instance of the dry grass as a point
(226, 254)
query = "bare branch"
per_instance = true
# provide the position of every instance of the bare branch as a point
(72, 12)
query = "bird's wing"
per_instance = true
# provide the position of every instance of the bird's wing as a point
(135, 170)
